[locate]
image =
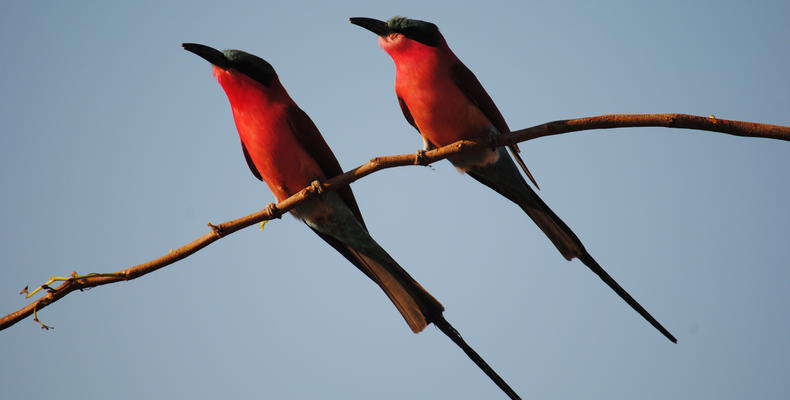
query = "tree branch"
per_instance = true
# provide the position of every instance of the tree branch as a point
(684, 121)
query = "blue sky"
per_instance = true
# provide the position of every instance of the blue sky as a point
(118, 145)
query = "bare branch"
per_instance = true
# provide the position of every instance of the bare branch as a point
(684, 121)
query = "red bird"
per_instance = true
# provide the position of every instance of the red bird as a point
(285, 149)
(444, 101)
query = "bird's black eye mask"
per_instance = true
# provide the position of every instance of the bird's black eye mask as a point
(250, 65)
(421, 31)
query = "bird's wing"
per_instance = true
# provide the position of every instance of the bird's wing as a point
(311, 140)
(406, 113)
(346, 251)
(250, 163)
(467, 82)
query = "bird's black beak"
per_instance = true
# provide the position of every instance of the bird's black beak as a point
(211, 55)
(378, 27)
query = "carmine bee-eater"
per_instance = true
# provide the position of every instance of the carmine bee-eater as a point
(444, 101)
(285, 149)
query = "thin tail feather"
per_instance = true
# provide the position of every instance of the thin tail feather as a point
(453, 334)
(420, 308)
(515, 151)
(593, 265)
(503, 177)
(416, 305)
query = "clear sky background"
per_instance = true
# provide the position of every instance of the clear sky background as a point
(118, 145)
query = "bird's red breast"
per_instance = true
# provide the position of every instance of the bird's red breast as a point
(423, 80)
(439, 108)
(262, 120)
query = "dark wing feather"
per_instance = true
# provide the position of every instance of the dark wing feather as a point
(467, 82)
(407, 113)
(311, 140)
(474, 91)
(343, 249)
(250, 163)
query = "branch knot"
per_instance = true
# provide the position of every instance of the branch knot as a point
(217, 229)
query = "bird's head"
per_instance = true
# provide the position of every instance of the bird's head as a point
(401, 35)
(238, 71)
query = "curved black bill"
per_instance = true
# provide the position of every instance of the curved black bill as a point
(211, 55)
(378, 27)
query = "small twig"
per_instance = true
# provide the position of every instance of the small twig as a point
(43, 326)
(737, 128)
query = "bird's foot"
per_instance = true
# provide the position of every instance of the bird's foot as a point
(317, 187)
(419, 158)
(273, 211)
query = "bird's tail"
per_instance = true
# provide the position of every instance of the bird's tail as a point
(414, 303)
(453, 334)
(430, 312)
(516, 154)
(406, 294)
(503, 177)
(418, 307)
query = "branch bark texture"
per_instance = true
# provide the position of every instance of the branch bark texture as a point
(682, 121)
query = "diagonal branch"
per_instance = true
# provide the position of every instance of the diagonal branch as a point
(684, 121)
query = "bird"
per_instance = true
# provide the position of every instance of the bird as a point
(441, 98)
(284, 148)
